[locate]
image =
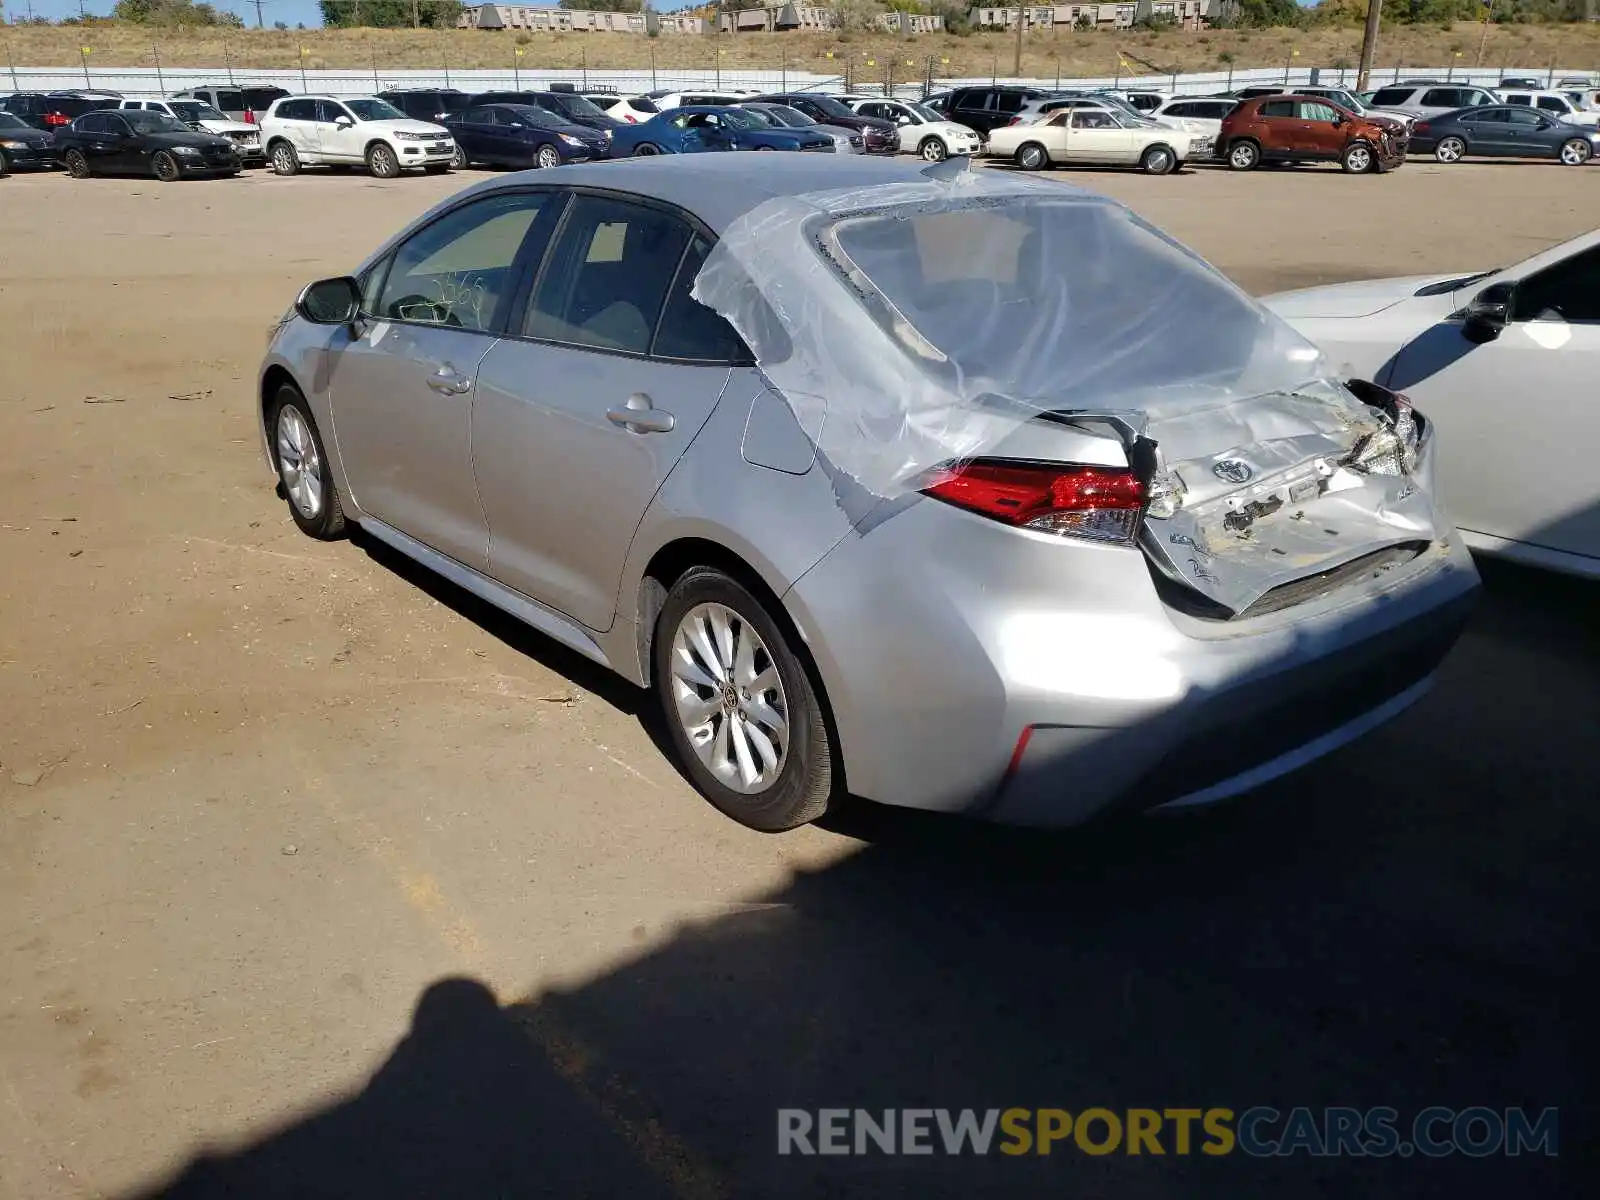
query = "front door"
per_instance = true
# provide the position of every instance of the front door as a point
(1519, 417)
(1525, 133)
(580, 420)
(403, 392)
(1095, 137)
(1319, 130)
(340, 135)
(1489, 130)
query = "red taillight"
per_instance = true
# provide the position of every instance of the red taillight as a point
(1099, 503)
(629, 118)
(249, 116)
(1420, 127)
(1014, 121)
(55, 120)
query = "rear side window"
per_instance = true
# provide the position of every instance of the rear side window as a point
(297, 110)
(1391, 95)
(1522, 100)
(1553, 104)
(608, 276)
(1010, 102)
(643, 104)
(232, 100)
(1443, 98)
(1278, 108)
(1490, 116)
(689, 330)
(259, 99)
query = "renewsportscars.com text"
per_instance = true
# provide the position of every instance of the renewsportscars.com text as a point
(1260, 1132)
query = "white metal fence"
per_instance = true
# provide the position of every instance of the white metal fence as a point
(152, 81)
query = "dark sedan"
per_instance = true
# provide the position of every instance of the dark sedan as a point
(142, 143)
(519, 135)
(23, 147)
(567, 105)
(1504, 131)
(878, 136)
(690, 129)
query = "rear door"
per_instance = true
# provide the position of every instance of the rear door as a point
(1518, 417)
(1282, 136)
(586, 409)
(403, 392)
(297, 121)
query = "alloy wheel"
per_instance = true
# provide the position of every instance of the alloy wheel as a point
(1358, 159)
(299, 464)
(165, 168)
(933, 150)
(1242, 157)
(383, 164)
(549, 156)
(77, 164)
(1576, 152)
(1450, 150)
(458, 160)
(283, 159)
(729, 699)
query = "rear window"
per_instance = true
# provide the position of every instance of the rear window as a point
(1391, 95)
(643, 104)
(232, 100)
(76, 108)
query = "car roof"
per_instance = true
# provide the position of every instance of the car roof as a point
(720, 188)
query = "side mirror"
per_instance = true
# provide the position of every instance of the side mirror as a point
(330, 301)
(1488, 313)
(902, 119)
(343, 122)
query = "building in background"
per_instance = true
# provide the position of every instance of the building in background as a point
(1185, 14)
(549, 19)
(780, 16)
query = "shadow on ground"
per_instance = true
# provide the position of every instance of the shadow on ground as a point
(1404, 924)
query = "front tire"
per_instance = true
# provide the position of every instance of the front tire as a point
(1031, 156)
(1358, 159)
(1575, 152)
(459, 159)
(1244, 156)
(645, 150)
(382, 162)
(1158, 160)
(740, 708)
(165, 167)
(284, 160)
(77, 165)
(1450, 150)
(933, 150)
(304, 476)
(547, 157)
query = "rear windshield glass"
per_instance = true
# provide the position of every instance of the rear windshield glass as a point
(643, 104)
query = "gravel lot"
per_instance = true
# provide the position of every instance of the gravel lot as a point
(260, 795)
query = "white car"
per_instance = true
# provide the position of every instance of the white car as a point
(197, 114)
(1091, 137)
(1506, 363)
(302, 131)
(722, 98)
(1143, 100)
(1555, 104)
(1201, 115)
(922, 129)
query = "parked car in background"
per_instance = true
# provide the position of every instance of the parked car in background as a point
(1205, 109)
(1361, 105)
(567, 105)
(1142, 99)
(304, 131)
(519, 135)
(878, 136)
(1504, 131)
(1015, 631)
(1200, 134)
(1303, 129)
(1521, 83)
(245, 104)
(666, 98)
(938, 102)
(629, 109)
(1552, 104)
(197, 114)
(153, 144)
(1083, 137)
(1505, 363)
(923, 131)
(692, 130)
(1585, 100)
(426, 104)
(22, 147)
(53, 110)
(1422, 102)
(845, 141)
(989, 106)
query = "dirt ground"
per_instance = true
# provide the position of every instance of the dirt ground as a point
(262, 799)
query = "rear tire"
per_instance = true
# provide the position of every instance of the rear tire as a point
(284, 160)
(1031, 156)
(77, 165)
(715, 681)
(1158, 160)
(1358, 159)
(382, 162)
(305, 479)
(1450, 150)
(1244, 156)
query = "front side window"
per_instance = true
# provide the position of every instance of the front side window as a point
(1525, 101)
(1325, 113)
(608, 276)
(152, 122)
(1490, 116)
(1523, 117)
(460, 269)
(1567, 291)
(374, 110)
(1089, 118)
(90, 123)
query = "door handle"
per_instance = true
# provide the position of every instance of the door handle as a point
(449, 382)
(641, 416)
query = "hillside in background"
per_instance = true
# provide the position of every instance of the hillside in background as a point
(870, 57)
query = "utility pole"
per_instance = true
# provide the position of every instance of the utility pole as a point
(258, 15)
(1483, 42)
(1016, 59)
(416, 16)
(1369, 43)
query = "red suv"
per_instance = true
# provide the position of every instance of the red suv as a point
(1307, 129)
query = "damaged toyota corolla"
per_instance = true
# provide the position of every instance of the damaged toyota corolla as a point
(952, 490)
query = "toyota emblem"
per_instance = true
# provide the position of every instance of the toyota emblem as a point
(1231, 470)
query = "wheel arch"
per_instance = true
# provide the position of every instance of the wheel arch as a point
(373, 143)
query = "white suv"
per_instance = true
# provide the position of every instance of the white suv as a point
(330, 130)
(1552, 104)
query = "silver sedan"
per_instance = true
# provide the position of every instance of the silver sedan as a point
(954, 490)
